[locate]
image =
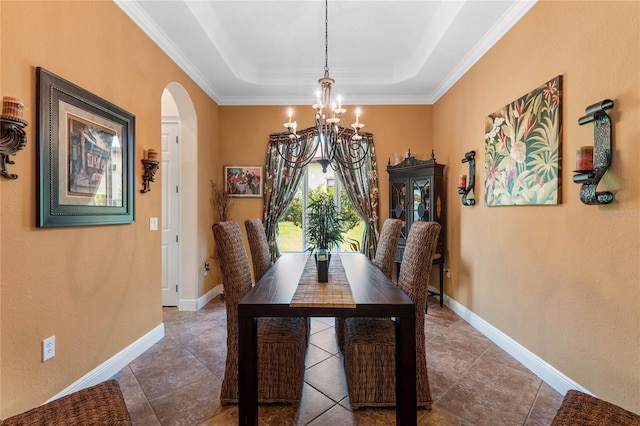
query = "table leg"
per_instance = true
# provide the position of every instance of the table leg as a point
(406, 389)
(247, 371)
(441, 282)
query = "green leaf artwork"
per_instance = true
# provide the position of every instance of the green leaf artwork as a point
(522, 149)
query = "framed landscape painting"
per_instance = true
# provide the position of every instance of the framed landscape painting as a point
(522, 149)
(243, 181)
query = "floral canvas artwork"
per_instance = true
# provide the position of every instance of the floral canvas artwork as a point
(522, 149)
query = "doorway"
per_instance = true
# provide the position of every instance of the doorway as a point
(177, 108)
(170, 213)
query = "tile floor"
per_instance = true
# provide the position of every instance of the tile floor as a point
(473, 382)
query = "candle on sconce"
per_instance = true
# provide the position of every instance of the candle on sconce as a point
(152, 154)
(462, 181)
(12, 107)
(145, 155)
(584, 158)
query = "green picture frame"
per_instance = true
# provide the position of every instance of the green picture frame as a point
(85, 155)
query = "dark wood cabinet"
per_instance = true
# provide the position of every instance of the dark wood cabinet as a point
(417, 192)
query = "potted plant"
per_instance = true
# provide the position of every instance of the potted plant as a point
(325, 228)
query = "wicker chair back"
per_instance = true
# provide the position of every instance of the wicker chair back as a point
(259, 247)
(387, 246)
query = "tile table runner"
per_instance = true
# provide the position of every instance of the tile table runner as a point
(334, 294)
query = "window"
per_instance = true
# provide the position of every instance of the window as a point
(291, 235)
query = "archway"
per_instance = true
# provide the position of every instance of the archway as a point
(188, 253)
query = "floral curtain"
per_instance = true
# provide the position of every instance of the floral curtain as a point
(361, 186)
(282, 180)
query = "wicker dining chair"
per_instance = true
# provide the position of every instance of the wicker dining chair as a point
(261, 256)
(581, 409)
(384, 260)
(369, 352)
(387, 246)
(259, 247)
(281, 341)
(101, 404)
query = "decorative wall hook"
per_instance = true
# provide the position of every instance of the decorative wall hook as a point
(464, 186)
(12, 135)
(151, 166)
(590, 177)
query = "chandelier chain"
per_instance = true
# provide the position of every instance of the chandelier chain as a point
(326, 38)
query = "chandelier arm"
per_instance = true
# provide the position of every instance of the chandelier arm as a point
(297, 162)
(352, 162)
(351, 153)
(296, 152)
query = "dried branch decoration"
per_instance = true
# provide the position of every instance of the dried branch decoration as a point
(221, 202)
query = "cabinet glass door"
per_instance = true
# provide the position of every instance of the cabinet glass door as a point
(421, 200)
(398, 203)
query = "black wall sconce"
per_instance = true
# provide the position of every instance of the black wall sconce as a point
(150, 165)
(12, 135)
(592, 163)
(464, 186)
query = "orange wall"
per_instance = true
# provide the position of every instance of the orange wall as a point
(95, 288)
(562, 280)
(244, 133)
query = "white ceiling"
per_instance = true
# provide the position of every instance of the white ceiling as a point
(264, 52)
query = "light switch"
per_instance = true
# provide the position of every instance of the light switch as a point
(153, 224)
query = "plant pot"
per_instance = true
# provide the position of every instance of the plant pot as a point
(315, 255)
(322, 263)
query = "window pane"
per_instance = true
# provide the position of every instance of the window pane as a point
(319, 182)
(290, 228)
(355, 225)
(291, 235)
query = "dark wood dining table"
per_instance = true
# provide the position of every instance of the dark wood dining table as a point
(374, 295)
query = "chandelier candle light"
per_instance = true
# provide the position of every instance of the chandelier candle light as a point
(337, 145)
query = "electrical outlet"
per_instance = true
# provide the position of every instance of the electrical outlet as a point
(48, 348)
(207, 268)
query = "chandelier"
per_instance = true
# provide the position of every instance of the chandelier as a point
(337, 144)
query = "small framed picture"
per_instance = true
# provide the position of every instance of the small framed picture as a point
(243, 181)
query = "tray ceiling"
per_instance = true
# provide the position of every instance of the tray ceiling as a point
(267, 52)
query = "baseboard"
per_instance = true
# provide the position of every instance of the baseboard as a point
(116, 363)
(537, 365)
(197, 304)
